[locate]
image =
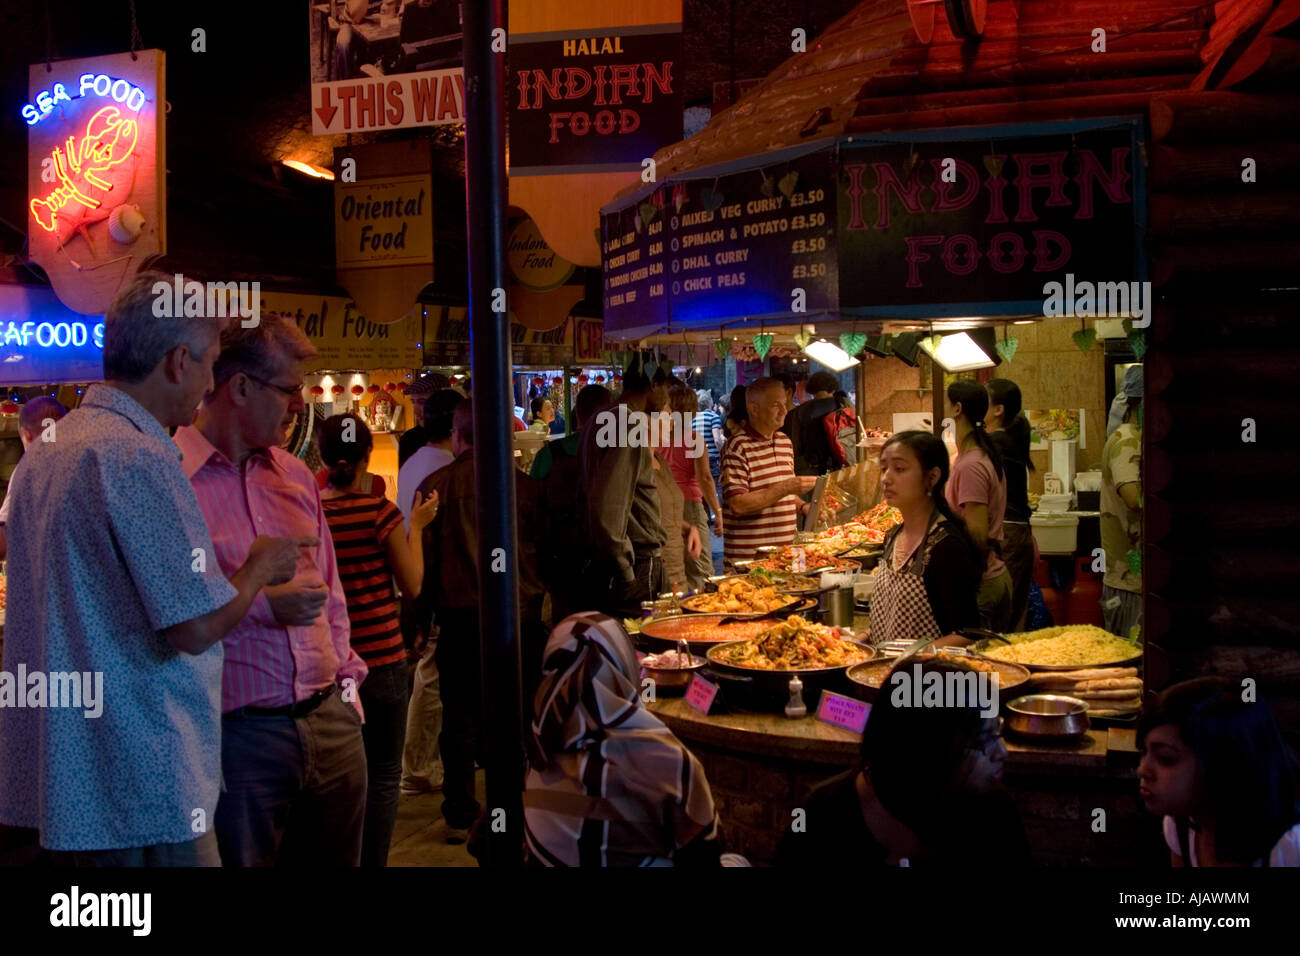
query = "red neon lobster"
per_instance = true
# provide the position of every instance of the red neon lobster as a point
(109, 140)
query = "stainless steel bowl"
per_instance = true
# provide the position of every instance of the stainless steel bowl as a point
(674, 678)
(1047, 715)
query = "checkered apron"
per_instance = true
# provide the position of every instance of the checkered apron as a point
(900, 609)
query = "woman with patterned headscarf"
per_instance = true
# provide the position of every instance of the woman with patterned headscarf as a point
(608, 784)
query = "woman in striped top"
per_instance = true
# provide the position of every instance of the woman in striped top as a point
(371, 551)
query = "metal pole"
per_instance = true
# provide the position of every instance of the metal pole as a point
(485, 215)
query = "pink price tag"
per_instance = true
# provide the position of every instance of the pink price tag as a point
(701, 693)
(843, 711)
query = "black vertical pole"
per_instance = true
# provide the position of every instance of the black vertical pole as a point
(485, 215)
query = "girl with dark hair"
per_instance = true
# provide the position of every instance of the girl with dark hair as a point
(927, 792)
(1009, 429)
(928, 577)
(738, 417)
(1219, 771)
(371, 551)
(978, 493)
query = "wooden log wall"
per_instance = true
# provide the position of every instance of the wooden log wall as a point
(1222, 517)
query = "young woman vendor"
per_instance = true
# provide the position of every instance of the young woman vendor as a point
(928, 577)
(978, 493)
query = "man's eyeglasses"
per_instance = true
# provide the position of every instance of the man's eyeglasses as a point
(288, 391)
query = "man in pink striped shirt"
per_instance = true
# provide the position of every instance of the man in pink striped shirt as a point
(759, 486)
(293, 764)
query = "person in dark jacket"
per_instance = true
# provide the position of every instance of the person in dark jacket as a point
(812, 449)
(625, 532)
(451, 561)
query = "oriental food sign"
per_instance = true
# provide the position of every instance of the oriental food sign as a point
(600, 100)
(985, 221)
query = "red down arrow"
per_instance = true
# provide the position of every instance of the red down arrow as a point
(325, 111)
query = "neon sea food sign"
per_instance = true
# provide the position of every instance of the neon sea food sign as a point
(100, 84)
(51, 334)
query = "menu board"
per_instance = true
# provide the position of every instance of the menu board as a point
(633, 254)
(761, 242)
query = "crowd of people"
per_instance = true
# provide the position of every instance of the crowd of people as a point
(257, 623)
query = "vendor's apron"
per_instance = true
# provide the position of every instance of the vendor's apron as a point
(900, 608)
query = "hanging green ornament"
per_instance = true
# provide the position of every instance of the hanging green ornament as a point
(1007, 348)
(935, 341)
(1085, 339)
(762, 343)
(648, 212)
(787, 183)
(1135, 563)
(1137, 341)
(853, 342)
(710, 199)
(802, 338)
(723, 348)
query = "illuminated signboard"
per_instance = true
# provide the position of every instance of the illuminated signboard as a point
(43, 342)
(96, 206)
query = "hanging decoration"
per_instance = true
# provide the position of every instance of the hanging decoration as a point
(802, 338)
(787, 183)
(853, 342)
(1085, 338)
(1007, 347)
(723, 348)
(762, 344)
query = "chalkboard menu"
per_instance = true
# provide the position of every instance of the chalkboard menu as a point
(760, 242)
(633, 255)
(988, 220)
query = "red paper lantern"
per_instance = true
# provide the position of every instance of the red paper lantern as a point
(453, 380)
(9, 408)
(538, 380)
(600, 379)
(358, 390)
(372, 389)
(389, 386)
(582, 380)
(557, 382)
(403, 388)
(337, 389)
(317, 390)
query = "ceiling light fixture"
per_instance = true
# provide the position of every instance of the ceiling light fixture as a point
(309, 169)
(830, 355)
(957, 353)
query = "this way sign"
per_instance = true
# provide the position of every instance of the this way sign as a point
(431, 98)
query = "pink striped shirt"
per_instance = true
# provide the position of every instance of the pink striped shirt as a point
(266, 663)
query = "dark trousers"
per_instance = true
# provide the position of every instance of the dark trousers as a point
(385, 695)
(460, 685)
(1018, 554)
(293, 791)
(461, 689)
(608, 593)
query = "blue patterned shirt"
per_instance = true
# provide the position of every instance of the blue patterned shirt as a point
(102, 557)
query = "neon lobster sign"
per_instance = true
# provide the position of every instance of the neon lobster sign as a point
(109, 140)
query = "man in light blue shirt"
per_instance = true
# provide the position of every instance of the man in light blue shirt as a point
(123, 588)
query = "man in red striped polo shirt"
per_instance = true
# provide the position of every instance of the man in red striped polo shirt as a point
(759, 487)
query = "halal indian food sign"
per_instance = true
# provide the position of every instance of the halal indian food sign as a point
(581, 100)
(95, 160)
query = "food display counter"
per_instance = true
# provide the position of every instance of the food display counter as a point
(761, 763)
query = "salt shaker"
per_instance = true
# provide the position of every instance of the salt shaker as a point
(795, 707)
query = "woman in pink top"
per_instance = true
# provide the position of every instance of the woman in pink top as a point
(688, 458)
(977, 491)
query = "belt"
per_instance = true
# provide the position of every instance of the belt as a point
(301, 709)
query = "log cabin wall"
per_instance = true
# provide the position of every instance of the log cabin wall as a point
(1221, 516)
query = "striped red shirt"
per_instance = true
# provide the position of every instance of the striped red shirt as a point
(359, 525)
(751, 462)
